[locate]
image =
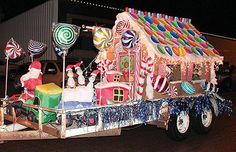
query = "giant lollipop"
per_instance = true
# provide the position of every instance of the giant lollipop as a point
(129, 39)
(36, 48)
(65, 35)
(12, 51)
(102, 37)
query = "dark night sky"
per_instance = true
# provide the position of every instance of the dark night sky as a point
(211, 16)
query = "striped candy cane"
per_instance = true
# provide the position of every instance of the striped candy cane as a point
(142, 75)
(149, 72)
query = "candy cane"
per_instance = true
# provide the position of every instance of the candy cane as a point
(142, 75)
(149, 72)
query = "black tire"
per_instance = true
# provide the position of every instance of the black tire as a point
(173, 131)
(203, 123)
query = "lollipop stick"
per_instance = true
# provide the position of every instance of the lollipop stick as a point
(64, 65)
(6, 78)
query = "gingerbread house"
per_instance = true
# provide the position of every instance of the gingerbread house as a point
(160, 55)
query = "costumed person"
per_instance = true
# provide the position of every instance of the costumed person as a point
(70, 74)
(79, 72)
(30, 80)
(92, 78)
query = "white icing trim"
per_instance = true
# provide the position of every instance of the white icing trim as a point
(103, 85)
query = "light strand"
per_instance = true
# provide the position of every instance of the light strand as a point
(97, 5)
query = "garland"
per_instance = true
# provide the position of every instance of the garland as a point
(149, 110)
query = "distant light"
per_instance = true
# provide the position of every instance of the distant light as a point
(97, 5)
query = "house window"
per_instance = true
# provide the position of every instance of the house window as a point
(198, 72)
(118, 95)
(116, 78)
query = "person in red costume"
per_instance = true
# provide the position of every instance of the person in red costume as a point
(30, 80)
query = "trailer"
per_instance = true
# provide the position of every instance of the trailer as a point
(154, 69)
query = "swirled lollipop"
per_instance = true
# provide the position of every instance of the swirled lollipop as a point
(36, 48)
(65, 35)
(13, 49)
(122, 26)
(102, 37)
(129, 39)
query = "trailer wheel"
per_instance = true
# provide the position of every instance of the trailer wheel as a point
(202, 123)
(179, 126)
(31, 117)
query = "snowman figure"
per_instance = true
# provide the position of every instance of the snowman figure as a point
(70, 74)
(79, 72)
(92, 78)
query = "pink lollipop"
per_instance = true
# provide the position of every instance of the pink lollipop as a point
(122, 26)
(13, 49)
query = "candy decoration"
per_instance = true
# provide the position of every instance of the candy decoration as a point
(142, 19)
(188, 50)
(148, 31)
(174, 23)
(160, 84)
(174, 34)
(141, 80)
(102, 37)
(200, 51)
(129, 39)
(172, 91)
(197, 38)
(168, 50)
(167, 34)
(174, 41)
(203, 38)
(161, 28)
(65, 35)
(180, 24)
(175, 50)
(211, 46)
(187, 87)
(185, 32)
(154, 27)
(154, 39)
(182, 51)
(161, 34)
(203, 44)
(36, 48)
(135, 16)
(181, 42)
(13, 49)
(191, 32)
(194, 51)
(160, 48)
(147, 18)
(122, 26)
(155, 20)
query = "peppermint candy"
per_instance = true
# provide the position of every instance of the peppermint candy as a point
(172, 91)
(13, 49)
(122, 26)
(160, 84)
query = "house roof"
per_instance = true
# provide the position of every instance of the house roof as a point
(170, 38)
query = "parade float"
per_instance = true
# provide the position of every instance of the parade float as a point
(153, 69)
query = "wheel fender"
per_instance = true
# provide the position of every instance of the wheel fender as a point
(214, 105)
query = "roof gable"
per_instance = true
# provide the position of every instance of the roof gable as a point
(175, 39)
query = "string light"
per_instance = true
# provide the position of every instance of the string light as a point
(97, 5)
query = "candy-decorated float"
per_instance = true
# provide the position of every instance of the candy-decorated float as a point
(153, 69)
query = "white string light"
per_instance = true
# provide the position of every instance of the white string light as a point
(97, 5)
